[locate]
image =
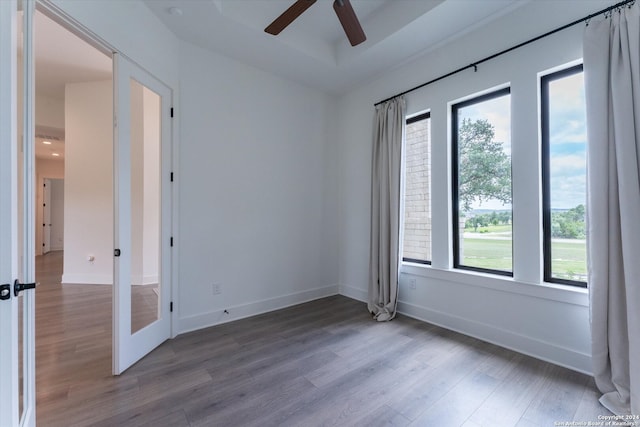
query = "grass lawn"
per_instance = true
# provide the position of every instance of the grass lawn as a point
(502, 228)
(487, 253)
(569, 258)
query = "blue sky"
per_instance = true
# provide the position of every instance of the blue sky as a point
(568, 148)
(567, 139)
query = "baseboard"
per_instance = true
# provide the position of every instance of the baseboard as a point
(144, 280)
(205, 320)
(87, 279)
(542, 350)
(354, 293)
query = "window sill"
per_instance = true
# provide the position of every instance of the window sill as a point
(550, 291)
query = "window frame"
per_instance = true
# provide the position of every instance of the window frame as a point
(455, 202)
(408, 121)
(546, 173)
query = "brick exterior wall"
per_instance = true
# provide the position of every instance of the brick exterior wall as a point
(417, 210)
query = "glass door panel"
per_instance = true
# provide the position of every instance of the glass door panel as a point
(146, 291)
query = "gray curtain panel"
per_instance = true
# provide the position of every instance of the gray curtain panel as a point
(612, 79)
(385, 208)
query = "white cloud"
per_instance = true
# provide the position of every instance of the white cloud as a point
(570, 164)
(573, 132)
(568, 192)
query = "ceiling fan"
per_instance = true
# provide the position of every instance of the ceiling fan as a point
(343, 9)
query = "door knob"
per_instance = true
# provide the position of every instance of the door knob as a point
(19, 287)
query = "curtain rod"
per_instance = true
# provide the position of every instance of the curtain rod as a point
(502, 52)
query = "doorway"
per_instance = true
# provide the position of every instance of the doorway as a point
(74, 206)
(53, 215)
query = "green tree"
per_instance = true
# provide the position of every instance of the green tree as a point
(493, 218)
(505, 217)
(484, 171)
(576, 214)
(569, 224)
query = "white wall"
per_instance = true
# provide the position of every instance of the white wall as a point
(151, 200)
(145, 185)
(257, 191)
(88, 222)
(547, 321)
(49, 111)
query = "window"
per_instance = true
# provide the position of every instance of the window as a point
(564, 172)
(482, 215)
(417, 194)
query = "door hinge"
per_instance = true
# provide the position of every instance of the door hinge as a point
(171, 111)
(171, 241)
(171, 307)
(116, 252)
(171, 176)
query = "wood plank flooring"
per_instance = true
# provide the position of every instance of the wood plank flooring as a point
(320, 363)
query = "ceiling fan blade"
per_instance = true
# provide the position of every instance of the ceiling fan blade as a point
(289, 15)
(349, 22)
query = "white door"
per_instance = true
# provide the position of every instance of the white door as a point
(17, 333)
(142, 165)
(46, 216)
(56, 232)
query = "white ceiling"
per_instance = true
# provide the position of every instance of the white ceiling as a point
(313, 50)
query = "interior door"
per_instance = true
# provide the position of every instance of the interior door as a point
(17, 242)
(46, 216)
(56, 233)
(142, 160)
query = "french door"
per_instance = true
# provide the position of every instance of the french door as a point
(142, 213)
(17, 243)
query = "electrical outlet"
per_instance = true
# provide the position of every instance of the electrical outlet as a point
(216, 289)
(412, 283)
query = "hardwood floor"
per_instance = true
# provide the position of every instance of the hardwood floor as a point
(320, 363)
